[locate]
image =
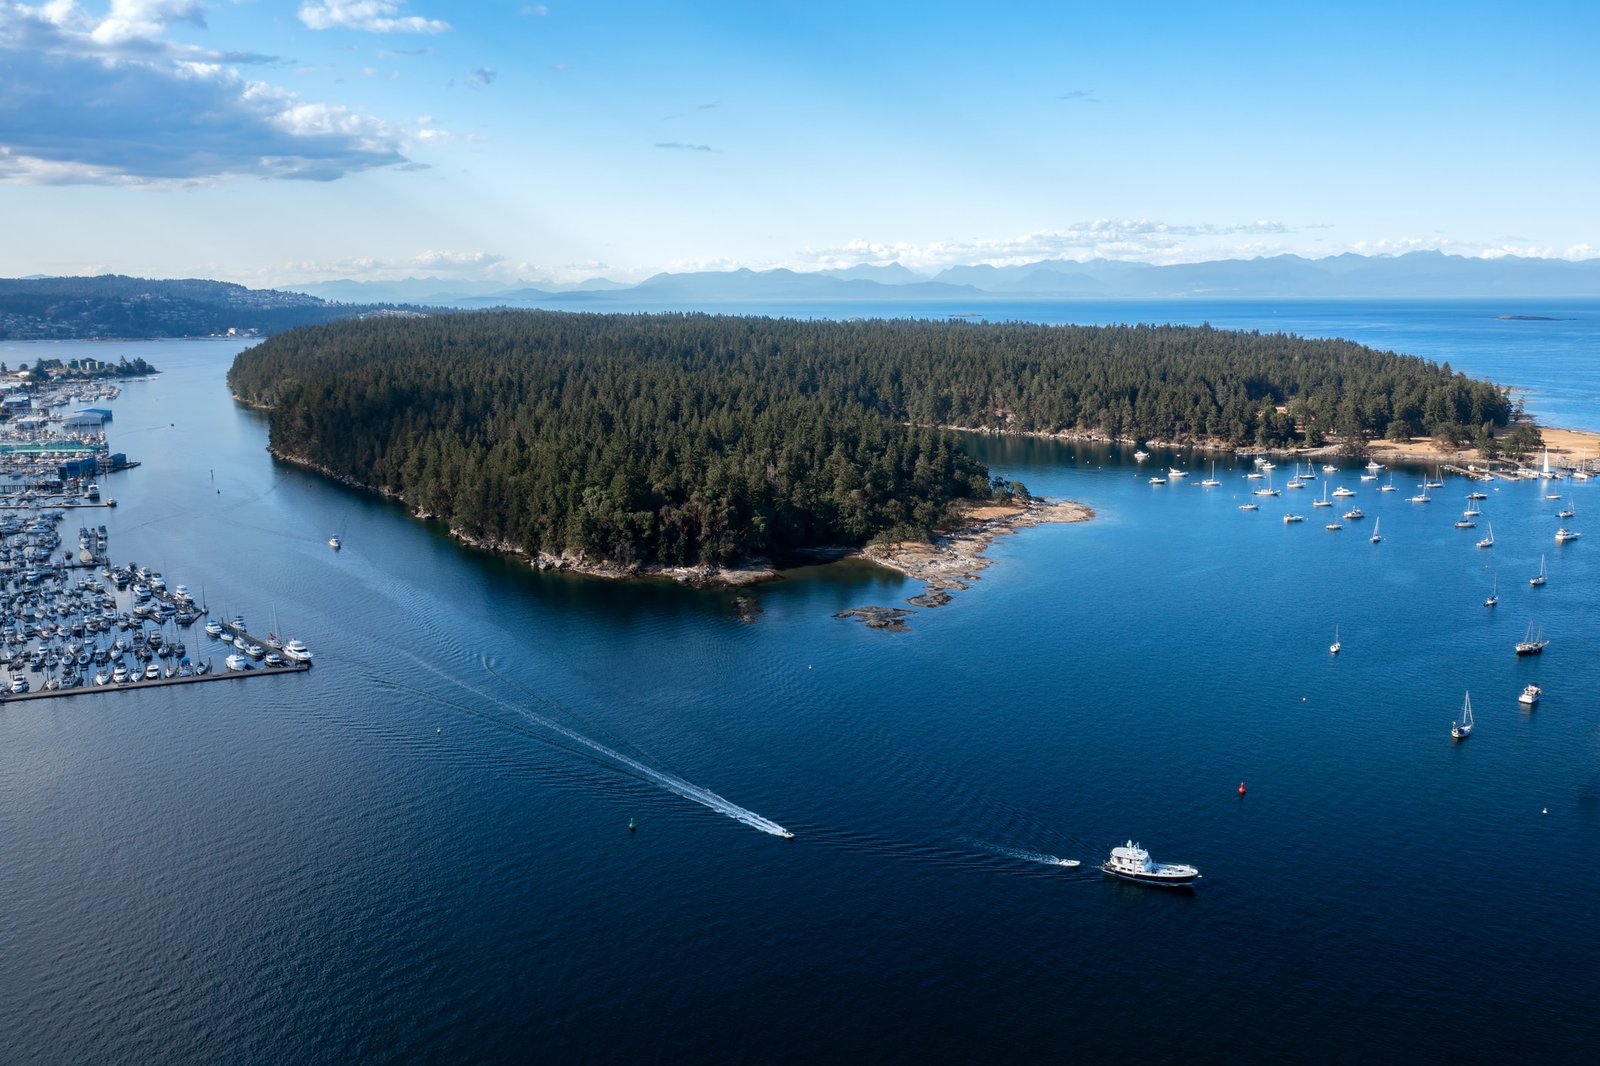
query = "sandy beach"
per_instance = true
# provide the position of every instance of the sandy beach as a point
(1567, 447)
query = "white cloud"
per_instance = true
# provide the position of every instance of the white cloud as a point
(1145, 240)
(371, 16)
(108, 101)
(132, 20)
(477, 264)
(481, 78)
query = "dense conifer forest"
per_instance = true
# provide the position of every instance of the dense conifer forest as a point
(707, 439)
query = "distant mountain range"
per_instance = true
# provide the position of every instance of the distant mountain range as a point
(1349, 276)
(116, 306)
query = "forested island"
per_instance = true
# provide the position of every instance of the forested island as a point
(689, 439)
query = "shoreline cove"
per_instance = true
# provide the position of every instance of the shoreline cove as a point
(950, 562)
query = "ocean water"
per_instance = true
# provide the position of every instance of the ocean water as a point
(417, 851)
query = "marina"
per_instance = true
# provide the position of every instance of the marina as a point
(71, 623)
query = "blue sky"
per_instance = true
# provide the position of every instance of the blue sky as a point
(280, 143)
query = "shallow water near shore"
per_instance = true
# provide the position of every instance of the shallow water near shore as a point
(394, 858)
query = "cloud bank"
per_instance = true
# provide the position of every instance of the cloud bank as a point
(368, 16)
(86, 99)
(1145, 240)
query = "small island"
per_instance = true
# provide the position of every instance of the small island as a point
(716, 449)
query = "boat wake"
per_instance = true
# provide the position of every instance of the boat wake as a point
(591, 748)
(677, 785)
(1024, 855)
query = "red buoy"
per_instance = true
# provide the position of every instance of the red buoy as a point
(1241, 788)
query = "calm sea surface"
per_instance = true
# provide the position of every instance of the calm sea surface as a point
(418, 851)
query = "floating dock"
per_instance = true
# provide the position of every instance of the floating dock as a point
(214, 675)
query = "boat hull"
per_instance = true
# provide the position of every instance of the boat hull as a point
(1159, 880)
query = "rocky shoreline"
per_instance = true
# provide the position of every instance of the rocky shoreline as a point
(950, 563)
(955, 558)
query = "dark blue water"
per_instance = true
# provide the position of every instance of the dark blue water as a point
(394, 858)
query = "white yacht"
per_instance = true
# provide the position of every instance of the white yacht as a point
(1133, 863)
(1564, 534)
(238, 662)
(1292, 517)
(334, 542)
(1174, 473)
(297, 651)
(1530, 695)
(1342, 491)
(1140, 456)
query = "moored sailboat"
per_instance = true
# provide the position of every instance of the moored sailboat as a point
(1532, 644)
(1462, 729)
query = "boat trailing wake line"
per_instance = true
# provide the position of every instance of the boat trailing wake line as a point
(608, 756)
(672, 783)
(1023, 855)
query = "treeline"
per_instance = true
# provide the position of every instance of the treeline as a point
(696, 438)
(139, 308)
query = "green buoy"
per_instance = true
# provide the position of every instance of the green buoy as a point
(632, 826)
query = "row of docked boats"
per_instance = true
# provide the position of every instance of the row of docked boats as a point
(272, 649)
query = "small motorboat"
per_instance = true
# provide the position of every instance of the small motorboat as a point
(1530, 695)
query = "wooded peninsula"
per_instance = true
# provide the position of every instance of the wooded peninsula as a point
(691, 439)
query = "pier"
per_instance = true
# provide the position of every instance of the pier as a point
(255, 670)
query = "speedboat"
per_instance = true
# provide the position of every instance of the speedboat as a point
(1291, 517)
(1133, 863)
(152, 672)
(1071, 864)
(1530, 695)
